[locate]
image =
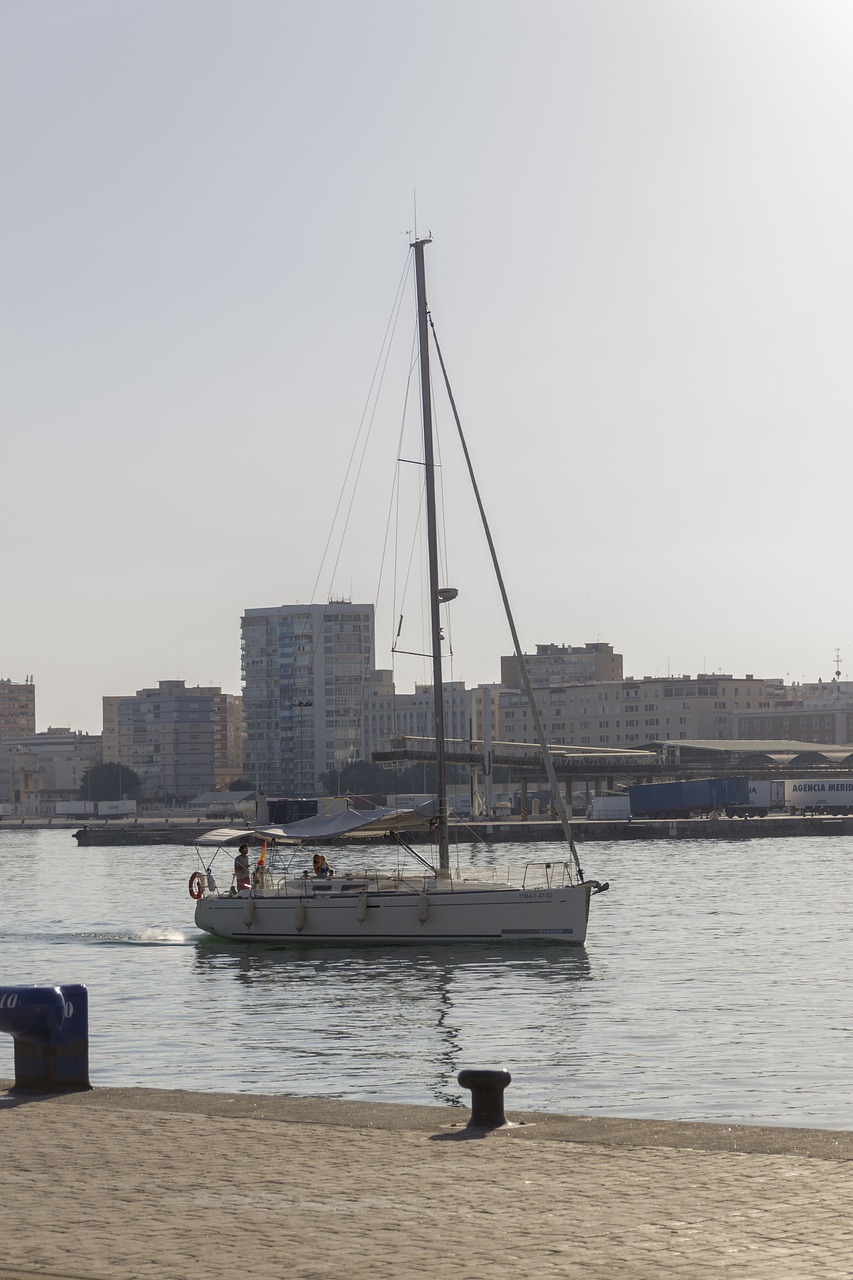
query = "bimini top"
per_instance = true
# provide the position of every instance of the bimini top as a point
(362, 821)
(234, 835)
(326, 826)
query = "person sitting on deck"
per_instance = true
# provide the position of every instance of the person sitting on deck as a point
(241, 868)
(321, 866)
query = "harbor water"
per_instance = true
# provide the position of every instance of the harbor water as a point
(714, 985)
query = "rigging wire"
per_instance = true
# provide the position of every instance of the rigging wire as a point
(393, 507)
(375, 389)
(367, 416)
(397, 607)
(534, 710)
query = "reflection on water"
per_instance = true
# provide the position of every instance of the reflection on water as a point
(378, 1018)
(713, 986)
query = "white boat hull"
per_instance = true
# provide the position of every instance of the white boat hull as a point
(437, 914)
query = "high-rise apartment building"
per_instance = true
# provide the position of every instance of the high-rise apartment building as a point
(17, 708)
(304, 671)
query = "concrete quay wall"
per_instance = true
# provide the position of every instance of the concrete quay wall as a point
(515, 830)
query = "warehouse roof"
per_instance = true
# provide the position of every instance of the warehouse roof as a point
(770, 751)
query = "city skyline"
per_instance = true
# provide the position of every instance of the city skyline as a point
(406, 688)
(640, 276)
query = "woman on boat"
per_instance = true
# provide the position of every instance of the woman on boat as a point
(321, 866)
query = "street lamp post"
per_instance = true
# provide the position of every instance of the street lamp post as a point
(301, 703)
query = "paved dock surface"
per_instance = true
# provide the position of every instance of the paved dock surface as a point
(134, 1183)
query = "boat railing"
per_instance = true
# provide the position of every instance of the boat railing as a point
(305, 884)
(290, 882)
(547, 875)
(478, 875)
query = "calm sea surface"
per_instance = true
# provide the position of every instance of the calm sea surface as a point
(714, 986)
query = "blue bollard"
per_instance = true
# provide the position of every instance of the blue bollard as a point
(50, 1027)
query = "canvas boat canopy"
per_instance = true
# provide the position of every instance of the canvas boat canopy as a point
(364, 822)
(327, 826)
(224, 835)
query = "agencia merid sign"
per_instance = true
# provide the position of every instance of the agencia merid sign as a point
(803, 793)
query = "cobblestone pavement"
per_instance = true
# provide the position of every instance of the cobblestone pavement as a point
(140, 1184)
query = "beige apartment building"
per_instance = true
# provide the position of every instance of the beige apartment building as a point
(37, 769)
(564, 664)
(227, 738)
(17, 708)
(387, 713)
(629, 712)
(579, 709)
(180, 741)
(821, 712)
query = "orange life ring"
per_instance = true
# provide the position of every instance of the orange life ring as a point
(196, 885)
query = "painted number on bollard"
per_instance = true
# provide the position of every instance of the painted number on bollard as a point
(9, 1001)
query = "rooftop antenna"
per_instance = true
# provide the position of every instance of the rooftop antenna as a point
(838, 664)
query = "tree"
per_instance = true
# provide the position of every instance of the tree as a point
(241, 784)
(110, 782)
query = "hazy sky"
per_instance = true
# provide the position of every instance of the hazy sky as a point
(642, 279)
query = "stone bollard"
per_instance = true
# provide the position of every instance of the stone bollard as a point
(487, 1096)
(50, 1027)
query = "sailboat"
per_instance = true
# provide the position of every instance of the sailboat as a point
(419, 903)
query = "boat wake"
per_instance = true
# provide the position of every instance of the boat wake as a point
(158, 937)
(147, 938)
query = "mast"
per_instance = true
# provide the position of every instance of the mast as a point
(432, 552)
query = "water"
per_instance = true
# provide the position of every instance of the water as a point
(714, 986)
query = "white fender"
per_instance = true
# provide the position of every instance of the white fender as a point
(249, 913)
(423, 909)
(361, 913)
(301, 913)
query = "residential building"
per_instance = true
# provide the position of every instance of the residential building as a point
(304, 673)
(485, 706)
(38, 769)
(110, 728)
(387, 713)
(227, 738)
(630, 712)
(821, 712)
(17, 708)
(379, 721)
(563, 664)
(177, 739)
